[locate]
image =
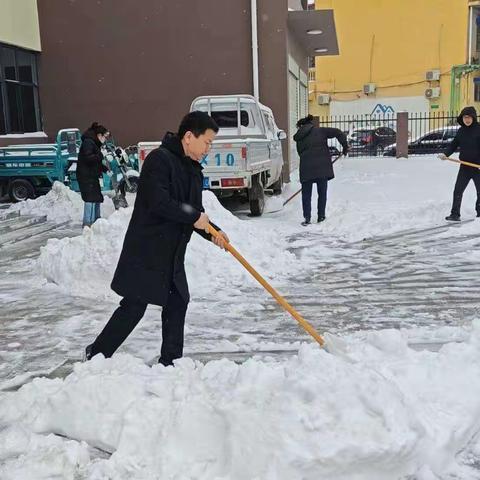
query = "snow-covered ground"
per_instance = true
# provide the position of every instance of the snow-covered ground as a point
(395, 395)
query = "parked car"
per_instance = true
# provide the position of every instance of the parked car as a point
(370, 140)
(435, 141)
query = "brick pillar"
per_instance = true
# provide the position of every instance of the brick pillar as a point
(402, 135)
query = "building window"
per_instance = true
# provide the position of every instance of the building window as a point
(19, 105)
(476, 89)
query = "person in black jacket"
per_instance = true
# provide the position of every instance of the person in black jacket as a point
(89, 170)
(315, 163)
(468, 139)
(168, 208)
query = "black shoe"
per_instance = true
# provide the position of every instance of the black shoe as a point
(321, 219)
(165, 363)
(88, 354)
(453, 218)
(305, 223)
(478, 214)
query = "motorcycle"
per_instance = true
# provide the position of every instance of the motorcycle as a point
(121, 175)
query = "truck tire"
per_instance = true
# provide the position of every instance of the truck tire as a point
(256, 197)
(20, 190)
(277, 187)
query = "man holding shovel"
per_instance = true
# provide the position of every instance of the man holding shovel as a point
(168, 208)
(468, 139)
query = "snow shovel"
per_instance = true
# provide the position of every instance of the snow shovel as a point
(296, 193)
(280, 300)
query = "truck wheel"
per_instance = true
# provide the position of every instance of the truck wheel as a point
(20, 190)
(256, 198)
(277, 187)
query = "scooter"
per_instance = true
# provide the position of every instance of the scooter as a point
(122, 176)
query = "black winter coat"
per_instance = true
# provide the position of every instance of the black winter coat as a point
(467, 138)
(90, 168)
(315, 158)
(168, 203)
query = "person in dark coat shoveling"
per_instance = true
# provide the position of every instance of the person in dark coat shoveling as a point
(89, 170)
(468, 139)
(168, 208)
(315, 163)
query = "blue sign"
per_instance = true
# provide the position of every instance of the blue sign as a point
(380, 109)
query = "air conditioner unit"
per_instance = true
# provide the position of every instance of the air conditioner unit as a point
(432, 92)
(432, 75)
(323, 99)
(369, 88)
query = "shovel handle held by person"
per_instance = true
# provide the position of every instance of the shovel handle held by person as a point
(280, 300)
(468, 164)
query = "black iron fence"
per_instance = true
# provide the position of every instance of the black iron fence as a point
(374, 135)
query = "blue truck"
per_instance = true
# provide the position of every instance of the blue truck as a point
(27, 171)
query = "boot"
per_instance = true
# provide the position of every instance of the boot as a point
(88, 353)
(453, 218)
(321, 219)
(305, 222)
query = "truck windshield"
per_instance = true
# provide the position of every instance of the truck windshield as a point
(228, 118)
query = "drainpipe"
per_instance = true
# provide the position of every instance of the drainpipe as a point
(470, 35)
(253, 7)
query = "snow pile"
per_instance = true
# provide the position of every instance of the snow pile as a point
(375, 411)
(60, 205)
(84, 265)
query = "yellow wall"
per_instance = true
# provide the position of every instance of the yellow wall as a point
(392, 44)
(19, 23)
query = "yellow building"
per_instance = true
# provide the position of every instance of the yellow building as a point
(399, 55)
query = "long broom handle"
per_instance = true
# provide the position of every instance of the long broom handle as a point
(463, 163)
(280, 300)
(296, 193)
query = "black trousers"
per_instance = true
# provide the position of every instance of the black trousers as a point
(130, 312)
(465, 174)
(322, 184)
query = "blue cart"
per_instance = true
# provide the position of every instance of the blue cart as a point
(30, 170)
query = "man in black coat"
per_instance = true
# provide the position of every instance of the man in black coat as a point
(89, 170)
(168, 208)
(315, 163)
(468, 139)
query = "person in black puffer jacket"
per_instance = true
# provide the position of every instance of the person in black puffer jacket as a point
(315, 163)
(90, 169)
(468, 139)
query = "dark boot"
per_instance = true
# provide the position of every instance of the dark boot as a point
(321, 219)
(88, 353)
(305, 222)
(453, 218)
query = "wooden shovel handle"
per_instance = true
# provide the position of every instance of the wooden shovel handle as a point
(280, 300)
(468, 164)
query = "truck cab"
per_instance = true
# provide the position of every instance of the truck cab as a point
(246, 156)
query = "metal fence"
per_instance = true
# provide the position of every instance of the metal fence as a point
(374, 135)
